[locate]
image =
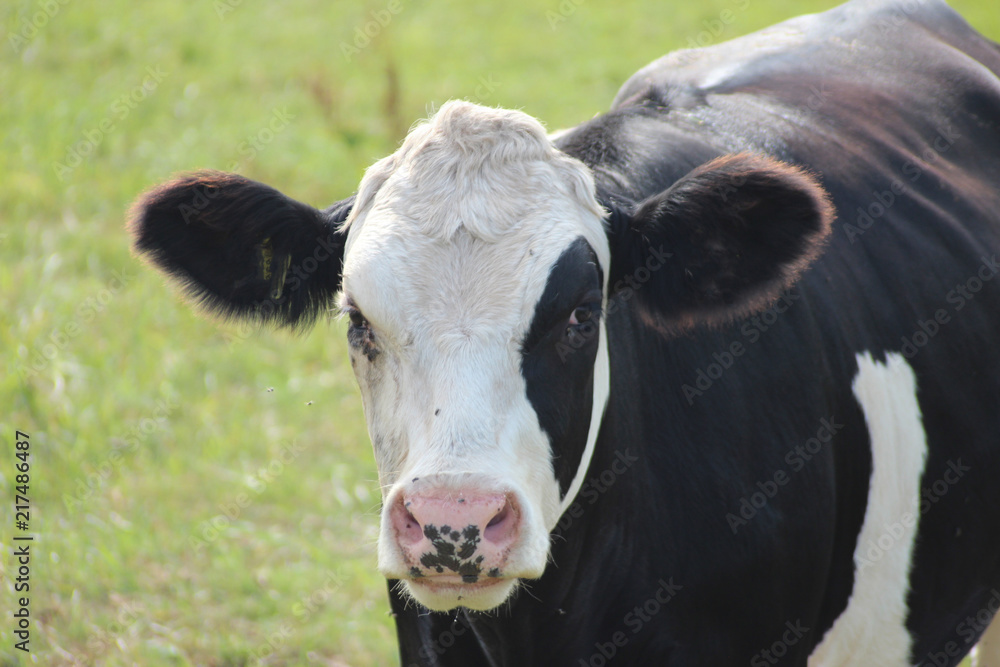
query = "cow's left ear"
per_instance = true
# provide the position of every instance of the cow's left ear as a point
(721, 243)
(241, 248)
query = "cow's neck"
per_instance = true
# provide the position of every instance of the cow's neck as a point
(586, 574)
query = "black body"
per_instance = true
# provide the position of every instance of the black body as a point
(895, 104)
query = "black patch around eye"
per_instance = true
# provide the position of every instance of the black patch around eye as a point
(574, 282)
(557, 360)
(360, 334)
(357, 319)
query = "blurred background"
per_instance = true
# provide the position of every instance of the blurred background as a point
(204, 493)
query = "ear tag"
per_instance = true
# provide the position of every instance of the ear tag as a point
(264, 259)
(278, 283)
(268, 271)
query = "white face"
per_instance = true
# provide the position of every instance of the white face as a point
(449, 251)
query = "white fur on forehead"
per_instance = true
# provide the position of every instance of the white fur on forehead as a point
(477, 168)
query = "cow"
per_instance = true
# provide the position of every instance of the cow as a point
(710, 379)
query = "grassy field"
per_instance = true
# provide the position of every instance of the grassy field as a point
(204, 494)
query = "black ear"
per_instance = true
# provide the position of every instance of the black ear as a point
(721, 243)
(241, 248)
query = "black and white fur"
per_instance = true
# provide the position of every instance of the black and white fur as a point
(534, 314)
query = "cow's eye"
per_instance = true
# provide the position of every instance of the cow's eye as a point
(358, 320)
(360, 334)
(583, 318)
(582, 313)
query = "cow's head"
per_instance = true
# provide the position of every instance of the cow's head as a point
(474, 267)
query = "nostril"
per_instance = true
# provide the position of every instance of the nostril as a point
(407, 526)
(501, 515)
(501, 527)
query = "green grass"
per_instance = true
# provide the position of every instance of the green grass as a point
(148, 423)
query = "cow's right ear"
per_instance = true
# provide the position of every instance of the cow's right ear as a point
(721, 243)
(241, 248)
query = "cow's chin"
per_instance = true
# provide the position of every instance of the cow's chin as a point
(447, 593)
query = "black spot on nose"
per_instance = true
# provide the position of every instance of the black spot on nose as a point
(449, 553)
(470, 570)
(468, 547)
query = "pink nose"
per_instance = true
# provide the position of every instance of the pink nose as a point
(455, 534)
